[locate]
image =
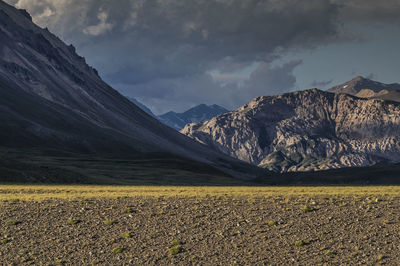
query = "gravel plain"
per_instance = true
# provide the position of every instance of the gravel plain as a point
(221, 230)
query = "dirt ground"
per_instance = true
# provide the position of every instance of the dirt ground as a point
(208, 231)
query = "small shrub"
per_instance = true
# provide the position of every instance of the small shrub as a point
(127, 235)
(73, 222)
(109, 222)
(175, 243)
(308, 209)
(12, 222)
(128, 210)
(271, 223)
(299, 243)
(4, 241)
(175, 250)
(330, 253)
(23, 260)
(118, 250)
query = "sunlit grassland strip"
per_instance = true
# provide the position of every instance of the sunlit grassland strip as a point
(71, 192)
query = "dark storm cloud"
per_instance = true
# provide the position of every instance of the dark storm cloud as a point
(370, 11)
(169, 39)
(163, 51)
(207, 31)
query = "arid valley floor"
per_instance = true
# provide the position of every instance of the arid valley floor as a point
(63, 225)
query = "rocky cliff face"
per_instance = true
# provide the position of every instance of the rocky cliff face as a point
(306, 130)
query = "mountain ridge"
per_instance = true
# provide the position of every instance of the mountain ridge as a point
(197, 113)
(367, 88)
(306, 131)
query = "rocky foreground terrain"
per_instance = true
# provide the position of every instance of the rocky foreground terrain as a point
(210, 231)
(306, 130)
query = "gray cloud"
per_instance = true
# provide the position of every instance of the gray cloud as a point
(321, 84)
(371, 76)
(163, 51)
(370, 11)
(160, 94)
(267, 80)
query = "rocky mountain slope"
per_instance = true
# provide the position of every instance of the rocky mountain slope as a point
(366, 88)
(50, 97)
(306, 130)
(198, 113)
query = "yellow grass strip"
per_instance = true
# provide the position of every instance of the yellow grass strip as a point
(70, 192)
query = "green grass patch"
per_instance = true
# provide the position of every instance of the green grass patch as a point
(109, 222)
(12, 222)
(73, 222)
(308, 209)
(118, 250)
(127, 235)
(175, 250)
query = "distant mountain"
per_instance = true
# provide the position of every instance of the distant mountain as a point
(142, 106)
(51, 99)
(198, 113)
(306, 131)
(366, 88)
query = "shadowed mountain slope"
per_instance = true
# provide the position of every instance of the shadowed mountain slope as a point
(52, 98)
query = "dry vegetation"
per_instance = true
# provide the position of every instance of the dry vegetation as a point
(199, 225)
(71, 192)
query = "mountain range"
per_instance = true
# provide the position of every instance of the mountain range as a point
(199, 113)
(51, 99)
(366, 88)
(309, 130)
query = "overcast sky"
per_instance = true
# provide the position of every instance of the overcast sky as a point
(174, 54)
